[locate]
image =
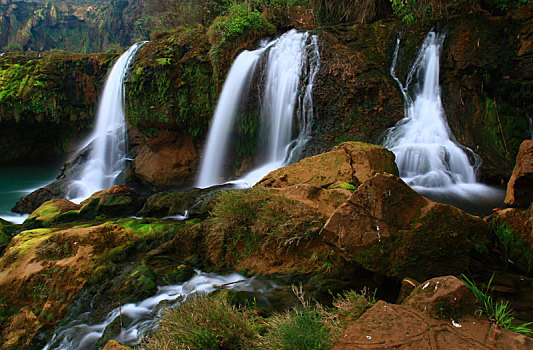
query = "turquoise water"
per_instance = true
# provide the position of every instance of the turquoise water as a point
(18, 180)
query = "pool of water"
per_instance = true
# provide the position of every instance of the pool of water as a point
(18, 180)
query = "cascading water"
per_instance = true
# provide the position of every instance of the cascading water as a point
(108, 156)
(142, 317)
(428, 157)
(291, 60)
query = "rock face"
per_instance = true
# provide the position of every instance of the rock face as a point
(520, 187)
(390, 229)
(166, 160)
(390, 326)
(350, 162)
(52, 212)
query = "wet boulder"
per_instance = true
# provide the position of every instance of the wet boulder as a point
(52, 212)
(520, 186)
(390, 229)
(114, 201)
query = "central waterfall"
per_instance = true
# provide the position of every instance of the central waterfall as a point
(108, 142)
(428, 157)
(292, 62)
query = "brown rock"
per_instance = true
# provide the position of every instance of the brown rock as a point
(166, 160)
(19, 329)
(520, 186)
(300, 17)
(408, 285)
(446, 297)
(389, 228)
(350, 162)
(317, 198)
(389, 326)
(115, 345)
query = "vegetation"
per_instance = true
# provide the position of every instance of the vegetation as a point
(360, 11)
(204, 323)
(214, 322)
(498, 312)
(513, 247)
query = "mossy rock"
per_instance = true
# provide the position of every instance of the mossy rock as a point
(52, 212)
(7, 230)
(115, 201)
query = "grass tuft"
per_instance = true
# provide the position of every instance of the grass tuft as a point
(498, 312)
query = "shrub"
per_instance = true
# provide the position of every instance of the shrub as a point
(361, 11)
(416, 10)
(203, 322)
(498, 312)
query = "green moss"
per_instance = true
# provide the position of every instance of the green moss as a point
(513, 247)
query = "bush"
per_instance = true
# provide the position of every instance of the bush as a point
(360, 11)
(416, 10)
(203, 322)
(351, 305)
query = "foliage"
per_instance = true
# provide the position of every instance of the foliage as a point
(226, 33)
(513, 247)
(507, 5)
(203, 323)
(245, 221)
(360, 11)
(498, 312)
(348, 186)
(415, 10)
(351, 305)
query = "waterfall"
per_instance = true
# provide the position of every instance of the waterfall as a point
(108, 155)
(428, 157)
(286, 110)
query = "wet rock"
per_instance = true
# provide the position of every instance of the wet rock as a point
(52, 212)
(389, 326)
(115, 201)
(408, 285)
(520, 186)
(443, 297)
(350, 162)
(19, 329)
(390, 229)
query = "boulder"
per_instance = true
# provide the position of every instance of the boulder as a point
(520, 186)
(390, 229)
(52, 212)
(19, 329)
(390, 326)
(114, 201)
(350, 162)
(443, 297)
(166, 160)
(34, 200)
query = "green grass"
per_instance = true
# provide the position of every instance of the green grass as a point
(498, 312)
(203, 323)
(513, 247)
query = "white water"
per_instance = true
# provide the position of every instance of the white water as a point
(142, 317)
(428, 157)
(108, 156)
(292, 60)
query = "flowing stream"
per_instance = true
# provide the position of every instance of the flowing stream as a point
(428, 157)
(108, 156)
(292, 62)
(140, 318)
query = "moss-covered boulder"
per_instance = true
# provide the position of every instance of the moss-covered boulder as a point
(390, 229)
(7, 230)
(115, 201)
(349, 163)
(52, 212)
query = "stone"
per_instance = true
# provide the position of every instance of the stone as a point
(408, 285)
(443, 297)
(166, 160)
(323, 201)
(520, 186)
(350, 162)
(52, 212)
(114, 201)
(390, 229)
(390, 326)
